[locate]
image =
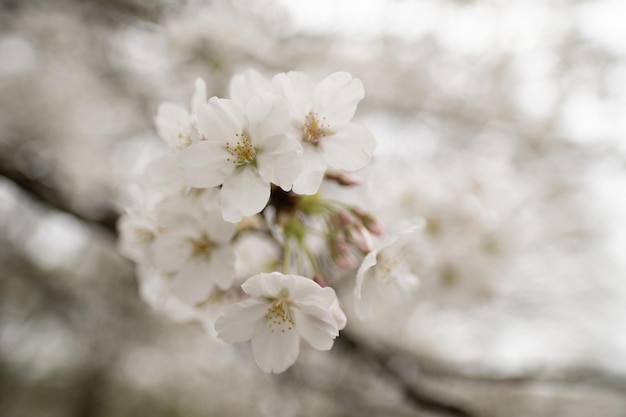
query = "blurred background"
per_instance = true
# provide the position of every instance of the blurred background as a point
(500, 122)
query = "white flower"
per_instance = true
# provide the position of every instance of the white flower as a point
(321, 117)
(137, 229)
(245, 150)
(281, 310)
(247, 85)
(177, 125)
(385, 274)
(194, 246)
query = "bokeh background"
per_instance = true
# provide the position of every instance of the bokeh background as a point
(500, 122)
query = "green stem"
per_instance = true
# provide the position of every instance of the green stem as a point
(286, 256)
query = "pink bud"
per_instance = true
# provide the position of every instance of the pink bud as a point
(362, 239)
(343, 178)
(320, 280)
(343, 257)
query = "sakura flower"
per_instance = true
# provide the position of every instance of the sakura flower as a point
(385, 273)
(176, 125)
(281, 310)
(247, 85)
(194, 246)
(137, 229)
(320, 117)
(245, 151)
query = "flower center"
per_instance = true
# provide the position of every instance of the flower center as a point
(144, 235)
(315, 129)
(201, 247)
(279, 316)
(386, 266)
(242, 151)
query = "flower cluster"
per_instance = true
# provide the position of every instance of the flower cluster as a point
(248, 172)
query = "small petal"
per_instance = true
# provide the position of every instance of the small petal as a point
(275, 352)
(193, 283)
(337, 97)
(171, 119)
(168, 252)
(199, 95)
(239, 321)
(220, 119)
(368, 262)
(248, 84)
(220, 231)
(264, 285)
(350, 148)
(298, 89)
(316, 326)
(280, 161)
(267, 115)
(243, 194)
(205, 164)
(312, 174)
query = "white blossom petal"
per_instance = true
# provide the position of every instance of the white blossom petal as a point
(337, 96)
(199, 95)
(168, 251)
(222, 266)
(316, 326)
(280, 161)
(163, 175)
(243, 194)
(264, 285)
(205, 164)
(368, 262)
(351, 147)
(219, 231)
(248, 84)
(198, 277)
(267, 115)
(170, 120)
(298, 89)
(220, 119)
(193, 283)
(239, 321)
(312, 173)
(275, 352)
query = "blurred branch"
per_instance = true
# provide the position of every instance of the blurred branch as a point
(418, 396)
(51, 196)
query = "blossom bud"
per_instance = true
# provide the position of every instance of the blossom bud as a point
(371, 222)
(362, 239)
(343, 219)
(321, 280)
(343, 257)
(344, 178)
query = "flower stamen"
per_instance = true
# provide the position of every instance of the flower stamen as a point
(242, 151)
(201, 247)
(315, 129)
(279, 316)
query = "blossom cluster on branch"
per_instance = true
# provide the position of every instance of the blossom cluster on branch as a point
(233, 218)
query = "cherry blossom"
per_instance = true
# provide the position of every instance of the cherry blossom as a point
(175, 124)
(281, 310)
(385, 273)
(245, 151)
(320, 119)
(194, 246)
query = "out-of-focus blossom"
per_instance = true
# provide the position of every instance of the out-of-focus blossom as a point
(194, 246)
(176, 125)
(385, 276)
